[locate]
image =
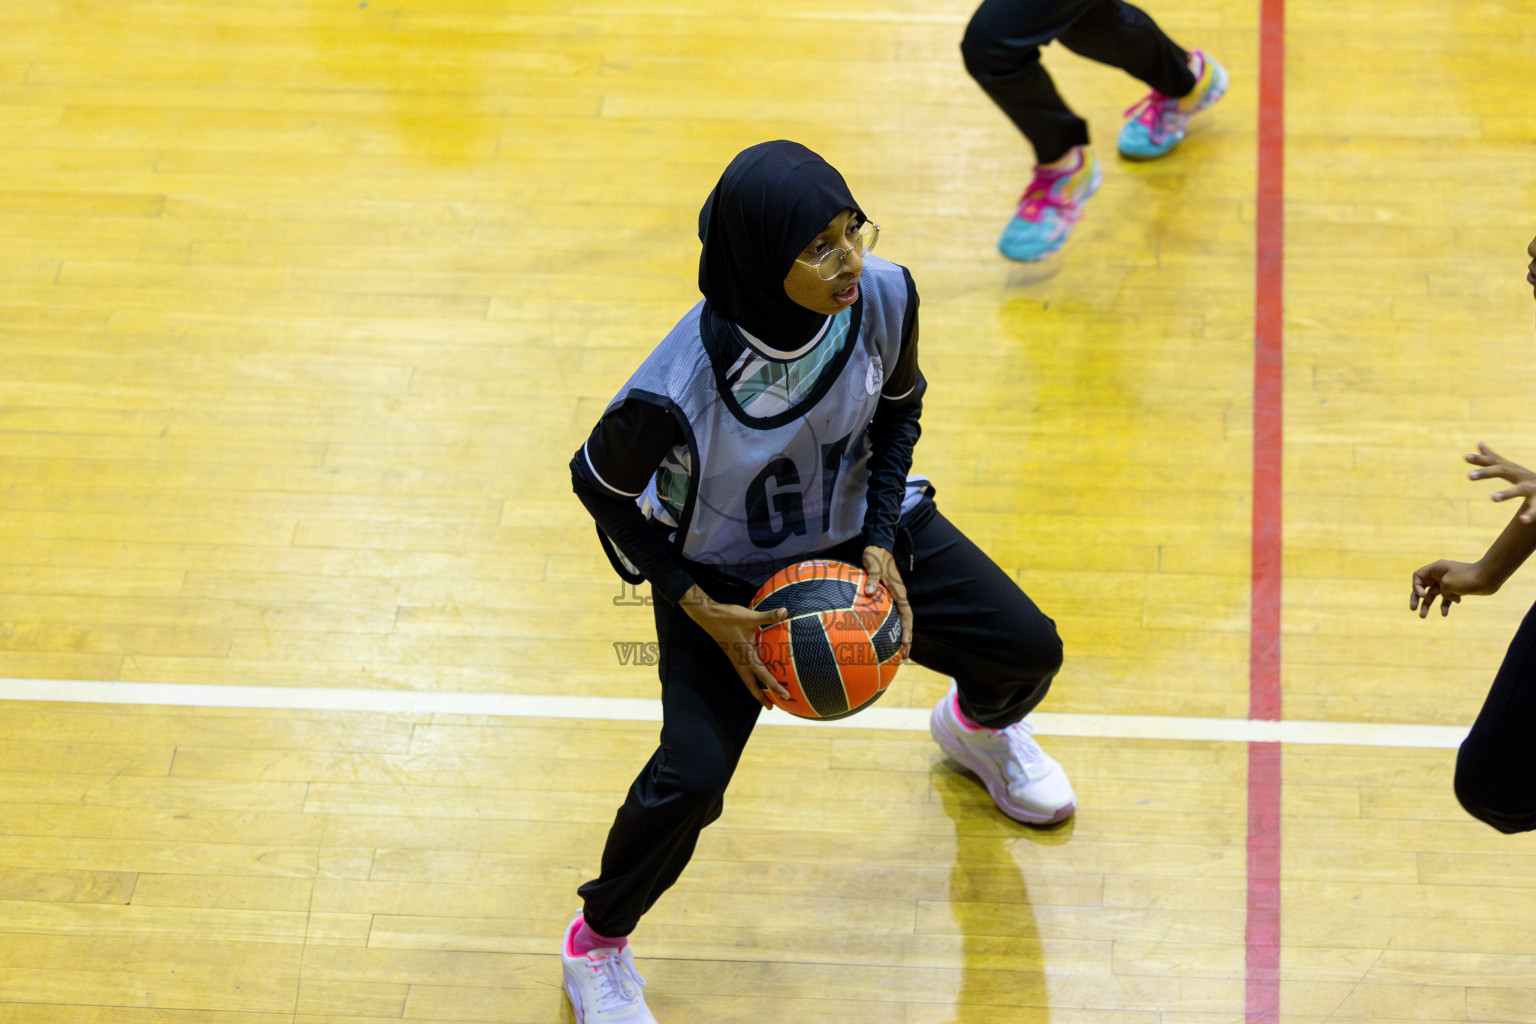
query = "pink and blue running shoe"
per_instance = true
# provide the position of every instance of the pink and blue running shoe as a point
(1050, 207)
(1157, 124)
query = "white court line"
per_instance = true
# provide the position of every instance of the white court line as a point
(879, 17)
(630, 709)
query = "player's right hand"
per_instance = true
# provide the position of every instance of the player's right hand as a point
(1446, 580)
(734, 627)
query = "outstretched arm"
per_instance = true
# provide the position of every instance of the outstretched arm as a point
(1449, 580)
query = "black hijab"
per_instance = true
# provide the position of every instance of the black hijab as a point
(772, 200)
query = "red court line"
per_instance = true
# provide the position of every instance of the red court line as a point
(1264, 779)
(1268, 361)
(1263, 932)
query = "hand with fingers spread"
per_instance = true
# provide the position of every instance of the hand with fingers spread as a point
(734, 627)
(1451, 581)
(1495, 465)
(880, 565)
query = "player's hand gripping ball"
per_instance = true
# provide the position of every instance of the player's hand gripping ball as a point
(838, 648)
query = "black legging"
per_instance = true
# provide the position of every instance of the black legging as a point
(971, 621)
(1496, 767)
(1002, 52)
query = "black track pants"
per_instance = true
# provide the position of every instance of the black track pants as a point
(1002, 52)
(971, 621)
(1496, 768)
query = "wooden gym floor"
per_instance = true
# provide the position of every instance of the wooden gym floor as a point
(306, 303)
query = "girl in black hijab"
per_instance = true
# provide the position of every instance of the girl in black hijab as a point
(775, 423)
(754, 224)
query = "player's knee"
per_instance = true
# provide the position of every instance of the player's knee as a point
(1038, 653)
(1509, 816)
(976, 55)
(703, 775)
(1052, 653)
(1025, 670)
(1506, 808)
(989, 59)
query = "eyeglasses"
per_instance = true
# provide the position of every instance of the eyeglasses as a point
(830, 263)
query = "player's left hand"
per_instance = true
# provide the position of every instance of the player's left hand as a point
(1495, 465)
(880, 565)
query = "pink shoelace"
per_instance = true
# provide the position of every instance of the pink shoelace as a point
(1039, 195)
(1152, 110)
(1160, 112)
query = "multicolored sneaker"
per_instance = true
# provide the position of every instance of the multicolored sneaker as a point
(1025, 782)
(1156, 124)
(1050, 208)
(603, 985)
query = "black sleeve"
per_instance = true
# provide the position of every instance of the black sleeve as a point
(893, 433)
(903, 382)
(611, 469)
(626, 446)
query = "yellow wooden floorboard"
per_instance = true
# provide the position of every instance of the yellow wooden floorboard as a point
(308, 305)
(41, 1013)
(328, 1000)
(53, 886)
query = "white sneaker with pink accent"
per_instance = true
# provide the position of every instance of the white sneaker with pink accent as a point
(603, 985)
(1026, 783)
